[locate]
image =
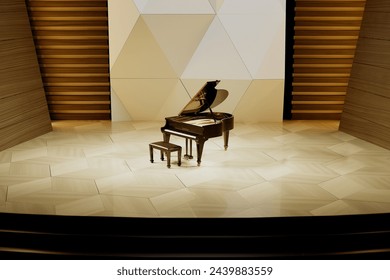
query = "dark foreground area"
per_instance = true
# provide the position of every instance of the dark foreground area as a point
(24, 236)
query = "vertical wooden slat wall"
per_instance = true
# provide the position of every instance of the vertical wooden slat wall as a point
(325, 37)
(71, 39)
(23, 110)
(367, 106)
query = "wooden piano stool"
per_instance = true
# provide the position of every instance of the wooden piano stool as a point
(167, 148)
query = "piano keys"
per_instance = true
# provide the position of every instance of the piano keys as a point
(194, 124)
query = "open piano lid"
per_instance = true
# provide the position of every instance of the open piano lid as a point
(206, 98)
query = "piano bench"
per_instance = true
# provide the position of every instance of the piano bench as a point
(166, 148)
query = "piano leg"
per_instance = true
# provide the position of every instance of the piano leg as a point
(226, 139)
(199, 149)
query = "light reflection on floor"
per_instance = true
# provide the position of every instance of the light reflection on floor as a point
(102, 168)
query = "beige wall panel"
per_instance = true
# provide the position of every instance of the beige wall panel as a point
(261, 52)
(122, 16)
(190, 46)
(176, 98)
(216, 56)
(177, 6)
(216, 4)
(178, 36)
(272, 64)
(142, 57)
(261, 102)
(151, 99)
(120, 113)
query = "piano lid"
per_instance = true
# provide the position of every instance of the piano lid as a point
(207, 97)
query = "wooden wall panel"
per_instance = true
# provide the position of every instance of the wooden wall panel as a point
(18, 71)
(325, 37)
(23, 109)
(367, 106)
(71, 39)
(13, 21)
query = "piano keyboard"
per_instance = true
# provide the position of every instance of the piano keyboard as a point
(202, 122)
(173, 132)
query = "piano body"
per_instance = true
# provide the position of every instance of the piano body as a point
(194, 124)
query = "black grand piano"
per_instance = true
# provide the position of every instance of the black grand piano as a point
(194, 124)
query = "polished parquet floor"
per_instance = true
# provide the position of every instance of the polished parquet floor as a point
(102, 168)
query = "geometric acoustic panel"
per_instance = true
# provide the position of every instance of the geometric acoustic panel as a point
(121, 27)
(142, 57)
(186, 31)
(144, 99)
(209, 59)
(259, 101)
(175, 7)
(163, 51)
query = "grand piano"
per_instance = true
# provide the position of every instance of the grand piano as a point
(194, 124)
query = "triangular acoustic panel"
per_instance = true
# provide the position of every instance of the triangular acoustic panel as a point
(262, 101)
(141, 4)
(144, 99)
(178, 36)
(163, 51)
(182, 7)
(216, 4)
(122, 23)
(142, 56)
(216, 57)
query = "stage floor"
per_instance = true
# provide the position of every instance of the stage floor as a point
(102, 168)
